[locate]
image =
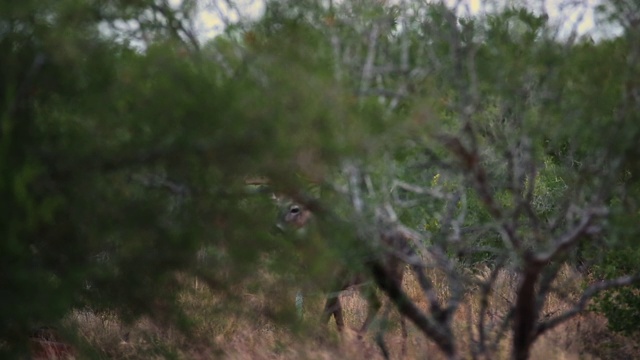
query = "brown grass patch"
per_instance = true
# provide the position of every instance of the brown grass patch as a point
(262, 325)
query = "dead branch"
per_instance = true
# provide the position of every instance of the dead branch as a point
(587, 295)
(430, 327)
(569, 239)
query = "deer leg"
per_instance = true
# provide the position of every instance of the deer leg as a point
(373, 308)
(300, 304)
(379, 337)
(380, 334)
(382, 345)
(333, 307)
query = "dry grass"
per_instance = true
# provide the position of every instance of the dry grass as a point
(259, 327)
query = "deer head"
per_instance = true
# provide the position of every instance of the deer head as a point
(294, 216)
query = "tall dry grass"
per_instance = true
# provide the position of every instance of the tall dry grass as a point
(261, 325)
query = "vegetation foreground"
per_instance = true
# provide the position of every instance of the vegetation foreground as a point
(260, 336)
(145, 172)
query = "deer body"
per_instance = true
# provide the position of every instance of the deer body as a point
(297, 217)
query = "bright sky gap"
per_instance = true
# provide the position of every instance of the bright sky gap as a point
(570, 15)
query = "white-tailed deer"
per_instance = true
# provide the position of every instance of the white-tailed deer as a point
(395, 246)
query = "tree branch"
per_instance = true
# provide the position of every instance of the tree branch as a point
(440, 334)
(566, 242)
(589, 293)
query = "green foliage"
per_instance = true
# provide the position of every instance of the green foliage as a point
(620, 306)
(119, 164)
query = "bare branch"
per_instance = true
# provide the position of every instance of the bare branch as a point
(176, 25)
(367, 69)
(355, 176)
(433, 192)
(380, 91)
(442, 336)
(566, 242)
(587, 295)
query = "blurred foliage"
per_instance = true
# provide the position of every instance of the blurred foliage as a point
(123, 164)
(119, 164)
